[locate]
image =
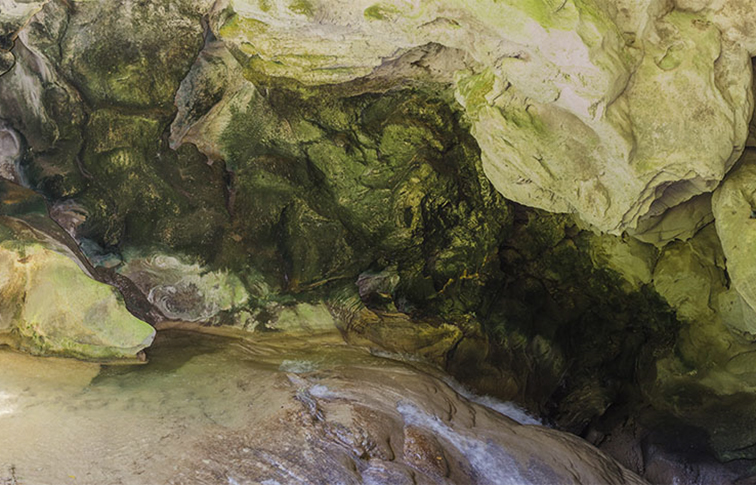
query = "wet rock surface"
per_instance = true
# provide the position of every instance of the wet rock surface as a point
(281, 411)
(282, 166)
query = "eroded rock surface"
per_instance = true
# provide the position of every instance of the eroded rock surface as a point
(613, 112)
(734, 204)
(252, 163)
(282, 411)
(50, 305)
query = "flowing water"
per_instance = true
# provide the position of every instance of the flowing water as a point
(214, 410)
(68, 422)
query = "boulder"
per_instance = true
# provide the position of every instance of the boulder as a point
(704, 388)
(49, 302)
(184, 290)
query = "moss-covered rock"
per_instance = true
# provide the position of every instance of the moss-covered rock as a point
(702, 386)
(326, 188)
(38, 102)
(734, 205)
(572, 329)
(565, 100)
(50, 306)
(131, 54)
(248, 163)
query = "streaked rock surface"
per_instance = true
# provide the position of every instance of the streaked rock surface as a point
(281, 411)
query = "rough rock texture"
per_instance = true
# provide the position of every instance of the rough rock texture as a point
(734, 204)
(182, 291)
(208, 411)
(247, 163)
(612, 112)
(49, 304)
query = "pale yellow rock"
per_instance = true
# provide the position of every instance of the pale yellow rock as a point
(305, 318)
(671, 135)
(613, 111)
(737, 18)
(632, 259)
(733, 204)
(690, 276)
(714, 354)
(49, 306)
(677, 223)
(737, 314)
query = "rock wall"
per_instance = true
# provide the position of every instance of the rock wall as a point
(550, 199)
(615, 112)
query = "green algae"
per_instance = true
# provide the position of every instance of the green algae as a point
(370, 176)
(302, 7)
(474, 88)
(236, 25)
(380, 12)
(116, 65)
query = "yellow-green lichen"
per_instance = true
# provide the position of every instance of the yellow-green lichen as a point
(302, 7)
(380, 12)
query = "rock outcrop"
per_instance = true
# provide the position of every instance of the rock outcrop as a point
(49, 304)
(613, 112)
(734, 205)
(242, 163)
(210, 410)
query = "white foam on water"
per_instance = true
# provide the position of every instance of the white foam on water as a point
(508, 409)
(491, 463)
(322, 392)
(297, 366)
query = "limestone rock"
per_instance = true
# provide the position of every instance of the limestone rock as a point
(611, 113)
(277, 410)
(627, 256)
(37, 102)
(184, 290)
(711, 359)
(681, 222)
(131, 54)
(10, 154)
(7, 60)
(14, 15)
(50, 306)
(691, 275)
(736, 18)
(304, 318)
(619, 164)
(206, 97)
(734, 204)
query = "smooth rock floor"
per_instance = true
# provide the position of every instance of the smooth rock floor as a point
(215, 410)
